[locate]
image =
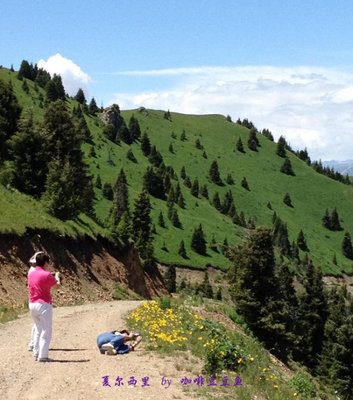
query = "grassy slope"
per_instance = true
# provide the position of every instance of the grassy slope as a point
(310, 192)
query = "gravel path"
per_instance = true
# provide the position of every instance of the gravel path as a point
(78, 368)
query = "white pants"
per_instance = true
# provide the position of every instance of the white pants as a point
(42, 315)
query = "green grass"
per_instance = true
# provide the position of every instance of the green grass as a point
(311, 193)
(7, 314)
(220, 352)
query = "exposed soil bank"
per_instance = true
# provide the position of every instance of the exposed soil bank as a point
(90, 268)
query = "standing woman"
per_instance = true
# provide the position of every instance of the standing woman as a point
(40, 282)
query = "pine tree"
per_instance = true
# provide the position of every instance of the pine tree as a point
(134, 128)
(326, 220)
(254, 290)
(204, 155)
(187, 182)
(130, 156)
(198, 242)
(25, 87)
(175, 219)
(145, 145)
(230, 180)
(170, 279)
(170, 148)
(124, 134)
(121, 199)
(183, 136)
(93, 108)
(227, 202)
(64, 149)
(335, 221)
(161, 221)
(206, 288)
(240, 146)
(141, 225)
(80, 96)
(198, 144)
(181, 250)
(301, 242)
(10, 112)
(183, 173)
(153, 183)
(26, 149)
(155, 157)
(123, 229)
(287, 200)
(281, 147)
(253, 142)
(244, 184)
(107, 191)
(181, 201)
(214, 173)
(195, 188)
(313, 314)
(217, 202)
(204, 191)
(347, 248)
(287, 167)
(98, 183)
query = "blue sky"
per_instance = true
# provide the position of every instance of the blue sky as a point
(286, 65)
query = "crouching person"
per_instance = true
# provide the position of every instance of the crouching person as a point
(114, 342)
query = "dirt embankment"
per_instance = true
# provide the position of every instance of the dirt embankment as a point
(89, 268)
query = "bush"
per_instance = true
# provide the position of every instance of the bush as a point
(302, 385)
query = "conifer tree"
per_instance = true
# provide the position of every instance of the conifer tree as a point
(195, 188)
(326, 220)
(25, 87)
(313, 314)
(253, 142)
(141, 225)
(204, 155)
(198, 144)
(181, 201)
(10, 112)
(301, 242)
(134, 128)
(230, 180)
(287, 200)
(170, 148)
(26, 148)
(181, 250)
(107, 191)
(98, 183)
(240, 146)
(183, 136)
(121, 199)
(335, 221)
(214, 173)
(281, 147)
(175, 219)
(347, 248)
(227, 202)
(217, 202)
(254, 289)
(287, 167)
(161, 221)
(124, 134)
(64, 149)
(206, 288)
(130, 156)
(80, 96)
(155, 157)
(182, 172)
(187, 182)
(170, 279)
(244, 184)
(145, 145)
(153, 183)
(93, 108)
(123, 229)
(204, 191)
(198, 242)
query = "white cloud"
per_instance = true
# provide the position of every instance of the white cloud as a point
(311, 106)
(72, 75)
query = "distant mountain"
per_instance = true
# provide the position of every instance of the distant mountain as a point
(344, 167)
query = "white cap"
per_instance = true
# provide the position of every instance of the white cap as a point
(33, 259)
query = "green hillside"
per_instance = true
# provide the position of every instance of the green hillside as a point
(310, 192)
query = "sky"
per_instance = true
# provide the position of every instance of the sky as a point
(285, 65)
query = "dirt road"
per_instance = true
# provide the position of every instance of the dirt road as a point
(78, 368)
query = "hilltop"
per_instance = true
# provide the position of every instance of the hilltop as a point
(207, 138)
